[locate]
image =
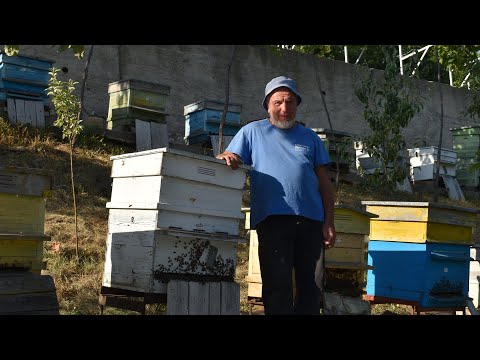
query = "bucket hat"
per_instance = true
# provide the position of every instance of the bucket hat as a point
(280, 81)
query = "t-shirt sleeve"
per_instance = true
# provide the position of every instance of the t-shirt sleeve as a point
(321, 154)
(241, 146)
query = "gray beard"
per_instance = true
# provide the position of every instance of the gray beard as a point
(284, 125)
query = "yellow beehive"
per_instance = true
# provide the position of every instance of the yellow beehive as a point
(420, 222)
(22, 217)
(352, 226)
(254, 277)
(18, 251)
(349, 253)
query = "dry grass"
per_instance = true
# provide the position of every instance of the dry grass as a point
(78, 283)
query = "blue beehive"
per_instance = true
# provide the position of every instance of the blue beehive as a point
(202, 119)
(24, 77)
(429, 274)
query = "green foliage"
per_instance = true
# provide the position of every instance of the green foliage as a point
(461, 59)
(344, 149)
(12, 50)
(78, 50)
(67, 106)
(473, 108)
(389, 105)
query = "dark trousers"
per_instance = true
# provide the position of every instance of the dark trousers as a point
(287, 242)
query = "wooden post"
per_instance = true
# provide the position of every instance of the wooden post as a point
(209, 298)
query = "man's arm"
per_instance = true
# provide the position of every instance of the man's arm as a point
(327, 193)
(232, 160)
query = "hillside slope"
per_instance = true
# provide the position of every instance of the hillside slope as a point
(78, 284)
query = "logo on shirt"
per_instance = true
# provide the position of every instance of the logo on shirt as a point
(302, 148)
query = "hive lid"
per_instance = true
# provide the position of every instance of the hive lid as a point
(27, 170)
(420, 204)
(176, 152)
(138, 85)
(344, 206)
(465, 128)
(27, 61)
(328, 131)
(211, 104)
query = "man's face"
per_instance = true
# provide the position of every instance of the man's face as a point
(282, 107)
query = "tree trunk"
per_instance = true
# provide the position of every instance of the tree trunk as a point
(225, 108)
(74, 199)
(324, 102)
(437, 166)
(84, 81)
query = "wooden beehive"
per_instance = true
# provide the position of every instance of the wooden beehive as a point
(427, 274)
(144, 261)
(474, 280)
(352, 226)
(26, 293)
(24, 77)
(202, 119)
(173, 215)
(254, 277)
(368, 165)
(466, 142)
(346, 259)
(168, 188)
(23, 193)
(337, 152)
(135, 99)
(423, 162)
(421, 222)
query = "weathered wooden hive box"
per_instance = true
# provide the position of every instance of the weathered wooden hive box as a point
(466, 142)
(368, 165)
(347, 259)
(338, 145)
(24, 77)
(135, 99)
(174, 189)
(423, 162)
(474, 280)
(254, 276)
(23, 193)
(421, 222)
(352, 226)
(172, 215)
(420, 252)
(202, 119)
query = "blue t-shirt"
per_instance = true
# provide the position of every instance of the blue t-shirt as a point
(282, 179)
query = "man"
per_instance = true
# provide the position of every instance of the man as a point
(291, 199)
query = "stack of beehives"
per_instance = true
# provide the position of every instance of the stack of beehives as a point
(174, 226)
(23, 84)
(202, 123)
(420, 253)
(339, 145)
(23, 290)
(136, 113)
(466, 143)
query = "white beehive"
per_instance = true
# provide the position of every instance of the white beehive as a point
(423, 162)
(368, 164)
(173, 215)
(474, 279)
(145, 261)
(168, 188)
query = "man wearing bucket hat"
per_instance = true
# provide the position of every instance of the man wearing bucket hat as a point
(291, 199)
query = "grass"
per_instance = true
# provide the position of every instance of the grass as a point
(78, 283)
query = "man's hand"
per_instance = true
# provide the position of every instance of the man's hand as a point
(329, 236)
(232, 160)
